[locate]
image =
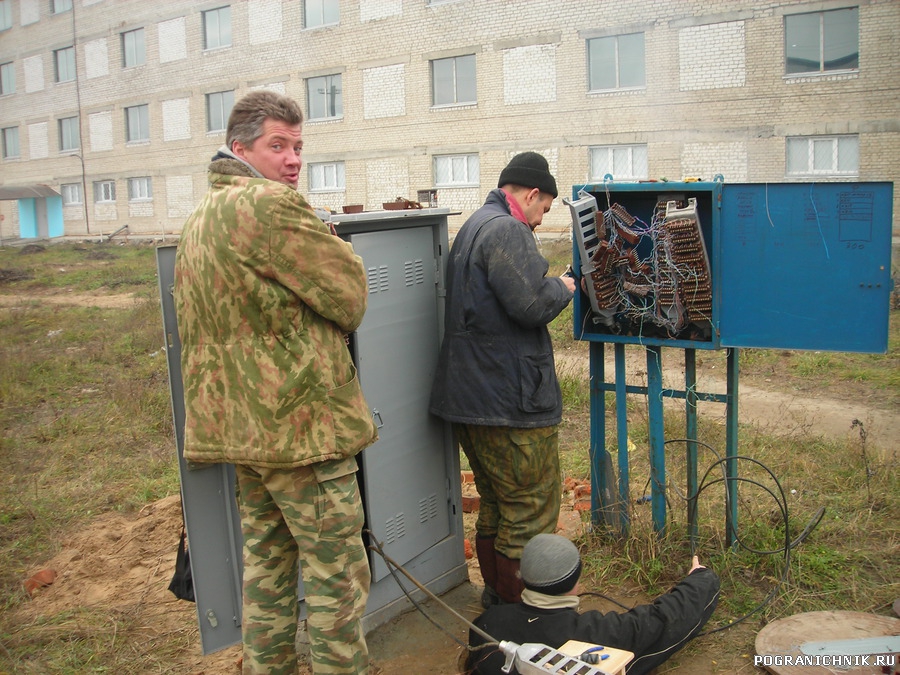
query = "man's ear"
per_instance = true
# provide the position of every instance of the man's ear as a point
(532, 195)
(238, 149)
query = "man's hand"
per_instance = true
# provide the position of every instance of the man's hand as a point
(695, 565)
(569, 282)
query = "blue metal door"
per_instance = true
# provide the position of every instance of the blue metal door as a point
(805, 266)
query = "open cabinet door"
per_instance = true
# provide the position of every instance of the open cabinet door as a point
(209, 503)
(806, 266)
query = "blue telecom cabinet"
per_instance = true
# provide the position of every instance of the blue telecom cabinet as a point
(708, 265)
(786, 266)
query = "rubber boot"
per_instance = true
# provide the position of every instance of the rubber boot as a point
(509, 583)
(487, 563)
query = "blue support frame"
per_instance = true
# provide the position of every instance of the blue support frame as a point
(602, 507)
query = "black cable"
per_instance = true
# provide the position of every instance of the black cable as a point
(393, 567)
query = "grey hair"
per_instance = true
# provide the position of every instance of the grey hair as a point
(248, 115)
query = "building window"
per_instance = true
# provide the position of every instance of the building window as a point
(140, 189)
(616, 62)
(134, 52)
(624, 162)
(453, 80)
(456, 170)
(320, 13)
(5, 14)
(821, 41)
(324, 97)
(8, 78)
(60, 6)
(104, 191)
(71, 194)
(326, 177)
(69, 134)
(217, 28)
(64, 61)
(823, 156)
(218, 108)
(137, 123)
(10, 142)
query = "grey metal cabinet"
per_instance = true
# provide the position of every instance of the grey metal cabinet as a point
(409, 478)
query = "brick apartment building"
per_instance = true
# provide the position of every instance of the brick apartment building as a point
(110, 109)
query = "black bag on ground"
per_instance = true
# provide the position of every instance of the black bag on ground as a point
(182, 584)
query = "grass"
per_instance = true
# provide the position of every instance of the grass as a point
(87, 429)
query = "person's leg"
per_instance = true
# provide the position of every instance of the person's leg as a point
(488, 516)
(326, 517)
(269, 616)
(522, 468)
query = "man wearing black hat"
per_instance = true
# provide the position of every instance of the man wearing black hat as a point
(548, 613)
(496, 379)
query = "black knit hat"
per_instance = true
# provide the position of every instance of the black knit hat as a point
(550, 564)
(529, 169)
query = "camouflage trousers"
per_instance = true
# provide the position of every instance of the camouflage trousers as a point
(303, 521)
(517, 477)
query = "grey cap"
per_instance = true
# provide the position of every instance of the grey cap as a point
(550, 564)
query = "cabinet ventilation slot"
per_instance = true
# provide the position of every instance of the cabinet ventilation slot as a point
(415, 272)
(394, 528)
(427, 508)
(378, 279)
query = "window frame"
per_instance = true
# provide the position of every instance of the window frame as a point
(616, 67)
(336, 105)
(6, 133)
(69, 129)
(822, 40)
(60, 6)
(472, 165)
(138, 51)
(105, 191)
(455, 62)
(143, 185)
(142, 110)
(321, 169)
(321, 18)
(814, 144)
(223, 38)
(5, 14)
(7, 78)
(67, 53)
(66, 190)
(222, 112)
(612, 149)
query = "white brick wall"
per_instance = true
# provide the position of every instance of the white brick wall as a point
(265, 21)
(100, 129)
(370, 10)
(715, 99)
(180, 201)
(172, 40)
(38, 145)
(529, 74)
(96, 58)
(712, 56)
(384, 92)
(34, 73)
(705, 160)
(176, 119)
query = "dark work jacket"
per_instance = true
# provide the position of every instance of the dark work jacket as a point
(653, 632)
(496, 362)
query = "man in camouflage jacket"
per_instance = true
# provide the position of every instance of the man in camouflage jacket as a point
(265, 295)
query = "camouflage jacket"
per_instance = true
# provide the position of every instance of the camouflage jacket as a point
(264, 295)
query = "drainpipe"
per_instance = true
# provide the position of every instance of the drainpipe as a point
(84, 192)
